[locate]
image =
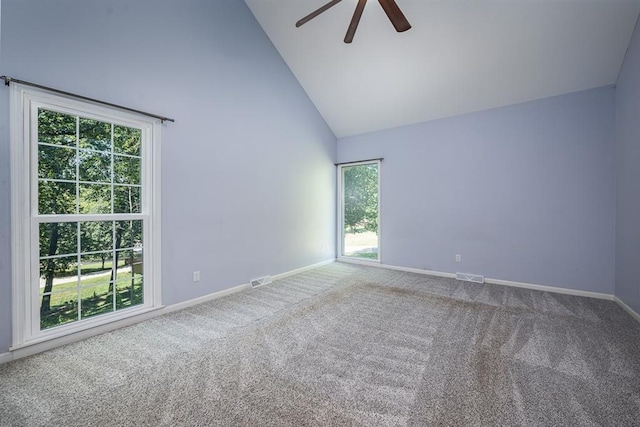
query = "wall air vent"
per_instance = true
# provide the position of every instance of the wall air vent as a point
(475, 278)
(266, 280)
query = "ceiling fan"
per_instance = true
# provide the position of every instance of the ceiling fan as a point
(390, 7)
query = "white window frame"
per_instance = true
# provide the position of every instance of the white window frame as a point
(24, 103)
(340, 222)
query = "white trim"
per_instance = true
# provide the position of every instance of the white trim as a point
(428, 272)
(627, 308)
(340, 204)
(155, 218)
(500, 282)
(88, 325)
(40, 346)
(303, 269)
(340, 216)
(379, 211)
(28, 350)
(356, 260)
(88, 329)
(205, 298)
(348, 260)
(87, 217)
(19, 210)
(239, 288)
(6, 357)
(553, 289)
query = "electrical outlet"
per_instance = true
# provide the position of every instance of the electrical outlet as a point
(196, 276)
(458, 258)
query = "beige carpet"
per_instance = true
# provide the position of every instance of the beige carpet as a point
(346, 345)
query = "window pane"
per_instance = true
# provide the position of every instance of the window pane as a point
(94, 166)
(95, 265)
(95, 198)
(97, 300)
(55, 271)
(95, 135)
(360, 211)
(58, 274)
(129, 264)
(58, 291)
(129, 292)
(129, 278)
(56, 197)
(56, 162)
(126, 140)
(96, 236)
(126, 169)
(130, 233)
(64, 309)
(126, 200)
(58, 238)
(96, 288)
(60, 285)
(56, 128)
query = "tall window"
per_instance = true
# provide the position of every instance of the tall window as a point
(88, 210)
(359, 210)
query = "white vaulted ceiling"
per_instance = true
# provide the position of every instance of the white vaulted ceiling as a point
(460, 56)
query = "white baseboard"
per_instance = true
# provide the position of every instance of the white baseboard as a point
(210, 297)
(627, 308)
(377, 264)
(543, 288)
(300, 270)
(6, 357)
(416, 270)
(553, 289)
(364, 261)
(236, 289)
(510, 283)
(39, 347)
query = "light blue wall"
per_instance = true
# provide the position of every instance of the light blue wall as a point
(524, 193)
(247, 171)
(628, 183)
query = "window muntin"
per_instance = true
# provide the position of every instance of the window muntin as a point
(87, 167)
(90, 166)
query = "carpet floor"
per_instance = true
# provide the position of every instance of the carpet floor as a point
(346, 345)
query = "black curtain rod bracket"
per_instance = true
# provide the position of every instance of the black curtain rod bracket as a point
(9, 80)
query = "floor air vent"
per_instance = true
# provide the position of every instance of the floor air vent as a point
(475, 278)
(261, 281)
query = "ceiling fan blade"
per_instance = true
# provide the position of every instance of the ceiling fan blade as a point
(353, 26)
(317, 12)
(395, 15)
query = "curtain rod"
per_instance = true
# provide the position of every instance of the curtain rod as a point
(8, 80)
(360, 161)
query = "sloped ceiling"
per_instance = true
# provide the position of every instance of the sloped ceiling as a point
(460, 56)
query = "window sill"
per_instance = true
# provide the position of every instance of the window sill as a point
(66, 335)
